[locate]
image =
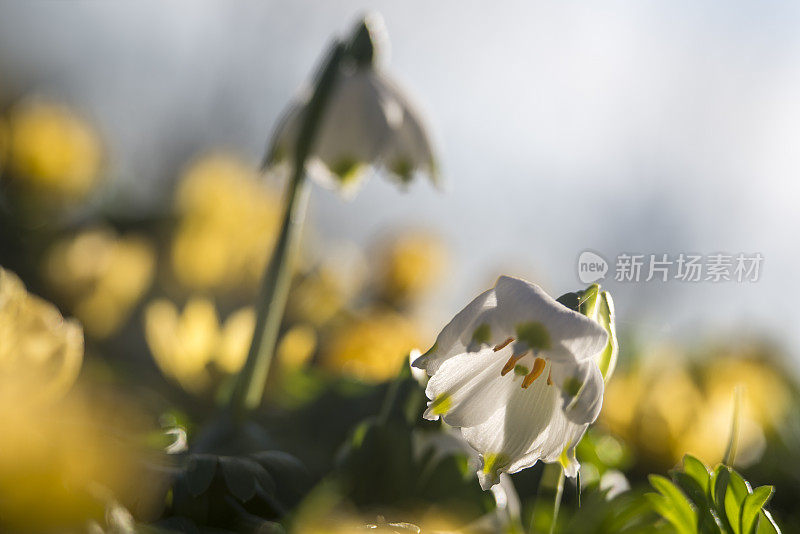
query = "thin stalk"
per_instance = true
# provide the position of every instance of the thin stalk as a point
(557, 501)
(251, 381)
(733, 438)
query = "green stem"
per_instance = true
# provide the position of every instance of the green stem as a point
(251, 381)
(733, 438)
(557, 501)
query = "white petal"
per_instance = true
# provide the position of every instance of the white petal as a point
(570, 333)
(456, 336)
(358, 122)
(581, 389)
(529, 428)
(409, 149)
(508, 435)
(281, 150)
(468, 387)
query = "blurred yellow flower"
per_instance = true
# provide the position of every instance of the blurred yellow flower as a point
(101, 275)
(52, 150)
(60, 462)
(322, 292)
(766, 393)
(412, 264)
(37, 346)
(297, 346)
(229, 220)
(61, 455)
(192, 347)
(665, 410)
(372, 346)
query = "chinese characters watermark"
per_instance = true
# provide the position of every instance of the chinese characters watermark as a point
(713, 268)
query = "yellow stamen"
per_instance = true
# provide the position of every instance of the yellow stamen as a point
(504, 344)
(512, 361)
(538, 368)
(550, 378)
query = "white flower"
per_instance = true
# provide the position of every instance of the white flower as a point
(368, 123)
(516, 371)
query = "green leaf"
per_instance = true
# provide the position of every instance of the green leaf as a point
(767, 525)
(200, 470)
(738, 489)
(607, 360)
(752, 505)
(717, 488)
(672, 504)
(240, 476)
(697, 470)
(707, 522)
(691, 488)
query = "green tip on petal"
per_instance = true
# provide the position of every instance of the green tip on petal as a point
(482, 334)
(403, 168)
(521, 370)
(571, 386)
(493, 462)
(347, 170)
(534, 335)
(566, 457)
(442, 404)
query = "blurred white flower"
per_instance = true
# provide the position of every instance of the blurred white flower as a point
(614, 483)
(516, 371)
(369, 122)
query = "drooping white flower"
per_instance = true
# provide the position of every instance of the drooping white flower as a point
(516, 371)
(368, 123)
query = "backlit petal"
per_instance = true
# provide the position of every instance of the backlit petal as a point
(457, 335)
(570, 333)
(468, 387)
(581, 389)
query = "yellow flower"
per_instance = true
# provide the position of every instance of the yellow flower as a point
(708, 435)
(61, 462)
(371, 347)
(190, 347)
(412, 264)
(322, 292)
(297, 346)
(52, 150)
(228, 223)
(665, 412)
(765, 392)
(36, 345)
(102, 275)
(62, 456)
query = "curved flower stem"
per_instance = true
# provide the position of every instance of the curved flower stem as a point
(557, 501)
(733, 438)
(251, 381)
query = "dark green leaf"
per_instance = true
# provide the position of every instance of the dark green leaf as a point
(691, 488)
(240, 476)
(200, 471)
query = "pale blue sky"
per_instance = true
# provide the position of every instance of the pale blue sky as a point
(643, 127)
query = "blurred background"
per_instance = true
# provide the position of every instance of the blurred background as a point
(130, 136)
(672, 123)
